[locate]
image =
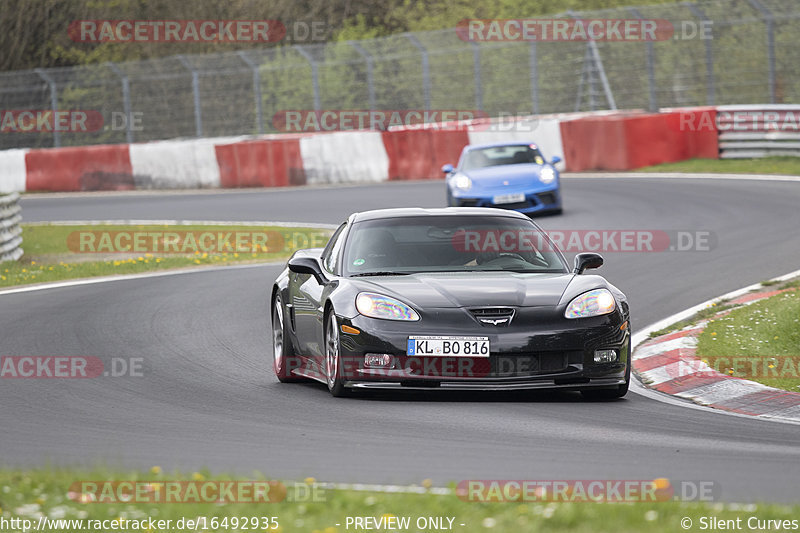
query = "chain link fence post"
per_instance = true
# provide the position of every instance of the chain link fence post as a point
(426, 73)
(591, 63)
(198, 117)
(126, 100)
(476, 65)
(769, 21)
(314, 75)
(533, 59)
(598, 65)
(53, 102)
(651, 68)
(710, 90)
(256, 89)
(370, 65)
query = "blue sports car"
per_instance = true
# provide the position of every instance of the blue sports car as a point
(505, 175)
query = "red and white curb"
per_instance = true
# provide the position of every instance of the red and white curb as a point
(669, 364)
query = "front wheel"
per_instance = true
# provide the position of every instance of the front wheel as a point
(282, 352)
(333, 360)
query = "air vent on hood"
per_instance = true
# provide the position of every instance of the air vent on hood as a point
(493, 316)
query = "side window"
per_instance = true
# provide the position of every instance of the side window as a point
(334, 248)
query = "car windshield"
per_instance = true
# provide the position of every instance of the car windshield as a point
(408, 245)
(513, 154)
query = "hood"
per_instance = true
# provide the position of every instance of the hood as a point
(516, 176)
(473, 289)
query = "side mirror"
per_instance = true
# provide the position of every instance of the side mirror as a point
(307, 265)
(587, 260)
(448, 168)
(555, 160)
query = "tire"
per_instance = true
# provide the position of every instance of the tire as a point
(611, 394)
(333, 369)
(282, 350)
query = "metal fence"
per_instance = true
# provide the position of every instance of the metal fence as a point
(751, 57)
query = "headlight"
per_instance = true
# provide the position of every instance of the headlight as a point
(462, 181)
(547, 175)
(593, 303)
(379, 306)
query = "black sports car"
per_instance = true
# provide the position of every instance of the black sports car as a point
(454, 298)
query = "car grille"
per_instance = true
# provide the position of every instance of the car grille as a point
(515, 205)
(547, 198)
(531, 364)
(502, 365)
(493, 316)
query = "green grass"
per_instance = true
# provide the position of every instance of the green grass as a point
(28, 494)
(793, 284)
(767, 165)
(55, 252)
(703, 314)
(759, 342)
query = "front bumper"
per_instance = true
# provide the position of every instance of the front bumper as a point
(539, 350)
(541, 200)
(490, 386)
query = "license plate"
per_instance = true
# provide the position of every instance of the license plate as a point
(448, 346)
(509, 198)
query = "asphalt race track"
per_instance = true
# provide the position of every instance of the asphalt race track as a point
(208, 396)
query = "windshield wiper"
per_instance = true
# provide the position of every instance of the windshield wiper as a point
(385, 273)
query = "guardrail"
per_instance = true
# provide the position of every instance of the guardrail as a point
(10, 230)
(753, 131)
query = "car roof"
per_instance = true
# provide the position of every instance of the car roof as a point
(502, 143)
(377, 214)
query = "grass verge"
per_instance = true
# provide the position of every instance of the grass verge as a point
(703, 314)
(767, 165)
(31, 494)
(759, 342)
(59, 252)
(718, 307)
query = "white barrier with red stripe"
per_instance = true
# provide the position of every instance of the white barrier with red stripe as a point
(344, 157)
(601, 140)
(190, 164)
(12, 170)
